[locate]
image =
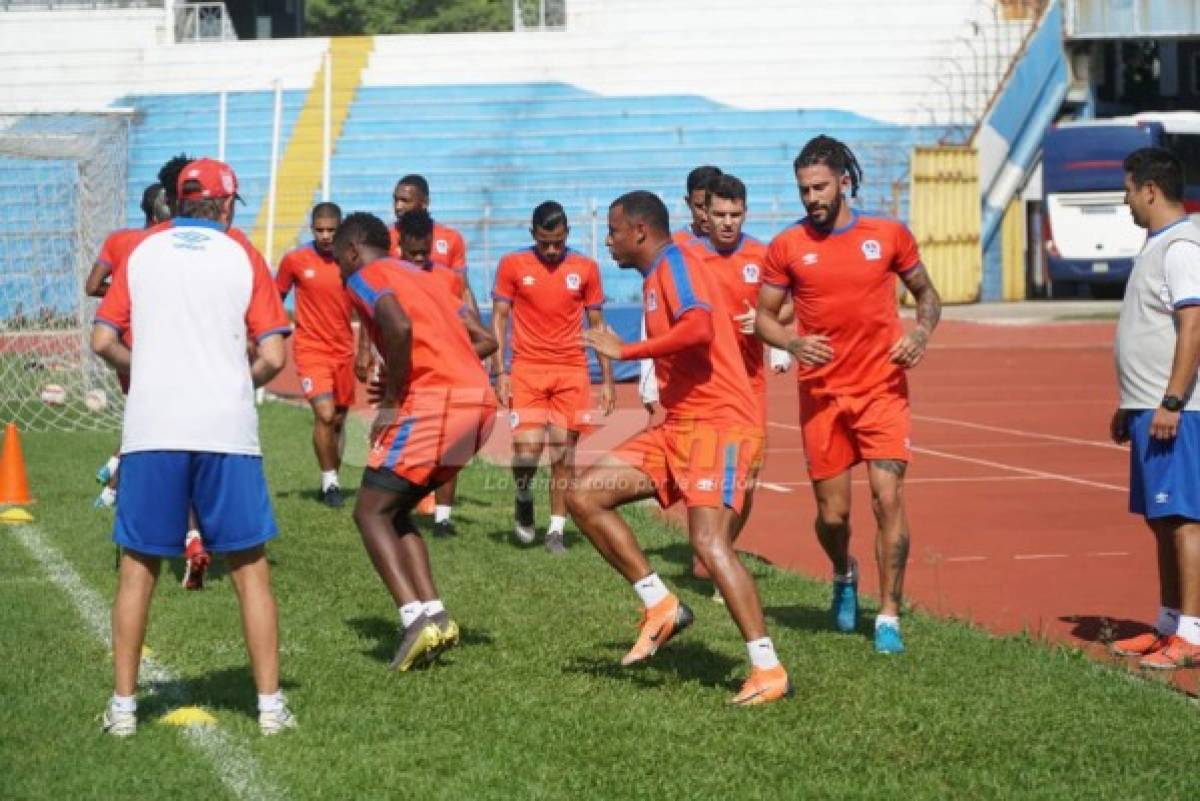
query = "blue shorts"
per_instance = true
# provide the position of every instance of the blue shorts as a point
(1164, 476)
(228, 492)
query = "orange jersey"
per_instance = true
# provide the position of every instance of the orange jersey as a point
(116, 246)
(686, 238)
(447, 249)
(738, 276)
(444, 364)
(547, 305)
(322, 306)
(708, 382)
(844, 286)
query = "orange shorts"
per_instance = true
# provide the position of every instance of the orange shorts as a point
(428, 447)
(548, 395)
(326, 377)
(699, 463)
(839, 431)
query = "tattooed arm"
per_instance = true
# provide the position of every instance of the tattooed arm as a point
(907, 352)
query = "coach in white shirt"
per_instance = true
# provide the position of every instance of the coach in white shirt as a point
(191, 293)
(1157, 354)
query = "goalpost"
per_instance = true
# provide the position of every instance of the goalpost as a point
(62, 190)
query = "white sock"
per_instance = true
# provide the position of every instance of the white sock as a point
(123, 703)
(850, 576)
(762, 653)
(433, 607)
(441, 514)
(329, 478)
(1168, 621)
(1189, 629)
(410, 612)
(108, 495)
(557, 524)
(881, 619)
(271, 702)
(651, 590)
(112, 463)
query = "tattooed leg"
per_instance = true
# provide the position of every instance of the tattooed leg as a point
(891, 544)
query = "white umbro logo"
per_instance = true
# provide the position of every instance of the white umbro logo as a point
(1162, 497)
(706, 485)
(310, 273)
(808, 259)
(527, 280)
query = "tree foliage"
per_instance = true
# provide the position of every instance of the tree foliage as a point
(352, 17)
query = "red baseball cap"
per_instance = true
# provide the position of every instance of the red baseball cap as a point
(216, 179)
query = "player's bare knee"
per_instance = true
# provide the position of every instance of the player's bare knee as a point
(887, 502)
(326, 415)
(833, 515)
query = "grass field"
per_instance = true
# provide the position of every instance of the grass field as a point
(533, 705)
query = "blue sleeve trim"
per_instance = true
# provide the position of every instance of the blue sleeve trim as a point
(110, 324)
(908, 269)
(283, 331)
(1187, 302)
(695, 304)
(498, 296)
(777, 286)
(594, 306)
(359, 286)
(682, 279)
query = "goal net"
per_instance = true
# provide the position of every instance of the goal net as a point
(62, 190)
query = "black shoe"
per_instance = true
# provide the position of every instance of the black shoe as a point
(523, 523)
(332, 497)
(444, 529)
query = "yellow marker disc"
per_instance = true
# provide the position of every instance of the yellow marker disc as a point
(189, 716)
(15, 516)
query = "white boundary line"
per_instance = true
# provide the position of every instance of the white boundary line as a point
(998, 465)
(1016, 432)
(228, 754)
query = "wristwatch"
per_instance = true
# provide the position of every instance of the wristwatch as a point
(1172, 403)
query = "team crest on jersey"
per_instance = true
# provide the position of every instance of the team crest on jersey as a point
(808, 259)
(750, 273)
(573, 282)
(306, 384)
(443, 247)
(514, 419)
(871, 250)
(651, 300)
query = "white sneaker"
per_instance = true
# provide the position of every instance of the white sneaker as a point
(118, 723)
(276, 721)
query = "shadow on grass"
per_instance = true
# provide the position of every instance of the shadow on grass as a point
(689, 661)
(382, 634)
(815, 619)
(313, 494)
(230, 689)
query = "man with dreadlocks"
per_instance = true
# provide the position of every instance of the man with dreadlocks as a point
(840, 266)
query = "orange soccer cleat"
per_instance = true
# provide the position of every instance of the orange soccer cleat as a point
(1179, 653)
(1140, 644)
(659, 624)
(764, 686)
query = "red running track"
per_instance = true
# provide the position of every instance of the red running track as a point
(1016, 497)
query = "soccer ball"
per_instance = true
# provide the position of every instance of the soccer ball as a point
(54, 395)
(95, 400)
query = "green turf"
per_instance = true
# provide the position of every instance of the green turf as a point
(533, 705)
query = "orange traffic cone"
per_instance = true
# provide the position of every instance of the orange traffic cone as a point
(14, 485)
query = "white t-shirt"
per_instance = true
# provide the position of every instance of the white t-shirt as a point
(187, 294)
(1165, 278)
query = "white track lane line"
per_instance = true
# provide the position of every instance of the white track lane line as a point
(1016, 432)
(228, 754)
(998, 465)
